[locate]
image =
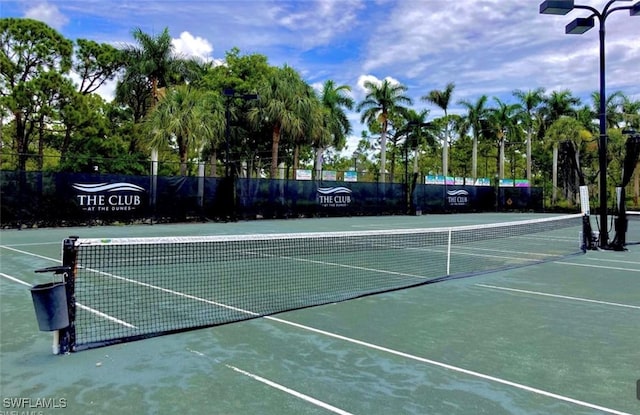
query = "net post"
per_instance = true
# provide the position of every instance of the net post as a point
(67, 336)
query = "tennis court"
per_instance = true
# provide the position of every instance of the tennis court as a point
(557, 337)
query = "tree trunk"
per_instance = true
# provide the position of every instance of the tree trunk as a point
(296, 155)
(40, 163)
(383, 154)
(183, 158)
(554, 189)
(445, 156)
(474, 159)
(275, 137)
(501, 159)
(529, 173)
(22, 144)
(318, 162)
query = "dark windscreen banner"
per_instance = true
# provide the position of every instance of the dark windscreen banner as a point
(76, 198)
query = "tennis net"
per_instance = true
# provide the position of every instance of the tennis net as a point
(125, 289)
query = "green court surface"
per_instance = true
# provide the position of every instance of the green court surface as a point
(560, 337)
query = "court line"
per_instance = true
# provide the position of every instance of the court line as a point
(399, 353)
(35, 244)
(297, 394)
(597, 266)
(566, 297)
(79, 305)
(452, 368)
(434, 363)
(30, 253)
(613, 260)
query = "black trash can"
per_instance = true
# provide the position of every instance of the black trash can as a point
(50, 303)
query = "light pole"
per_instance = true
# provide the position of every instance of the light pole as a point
(578, 27)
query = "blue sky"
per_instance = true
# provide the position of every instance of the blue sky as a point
(490, 47)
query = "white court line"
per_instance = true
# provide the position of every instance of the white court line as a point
(453, 368)
(613, 260)
(30, 253)
(14, 279)
(403, 354)
(566, 297)
(597, 266)
(79, 305)
(35, 244)
(291, 392)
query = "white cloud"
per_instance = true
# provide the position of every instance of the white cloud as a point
(318, 22)
(47, 13)
(191, 46)
(375, 80)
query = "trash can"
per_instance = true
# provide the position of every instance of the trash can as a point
(50, 303)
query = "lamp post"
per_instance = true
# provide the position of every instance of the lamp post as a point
(580, 26)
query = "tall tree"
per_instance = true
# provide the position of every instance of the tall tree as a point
(183, 118)
(96, 64)
(282, 107)
(419, 133)
(442, 99)
(530, 102)
(31, 55)
(154, 58)
(613, 104)
(556, 105)
(336, 125)
(381, 101)
(631, 112)
(568, 132)
(476, 113)
(503, 124)
(314, 127)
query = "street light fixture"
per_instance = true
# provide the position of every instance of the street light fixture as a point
(579, 26)
(558, 7)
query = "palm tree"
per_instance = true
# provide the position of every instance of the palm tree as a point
(336, 124)
(613, 106)
(184, 118)
(283, 106)
(314, 125)
(442, 99)
(558, 104)
(381, 101)
(418, 132)
(154, 58)
(476, 113)
(503, 123)
(530, 102)
(631, 112)
(566, 131)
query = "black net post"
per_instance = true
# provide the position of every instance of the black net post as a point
(69, 259)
